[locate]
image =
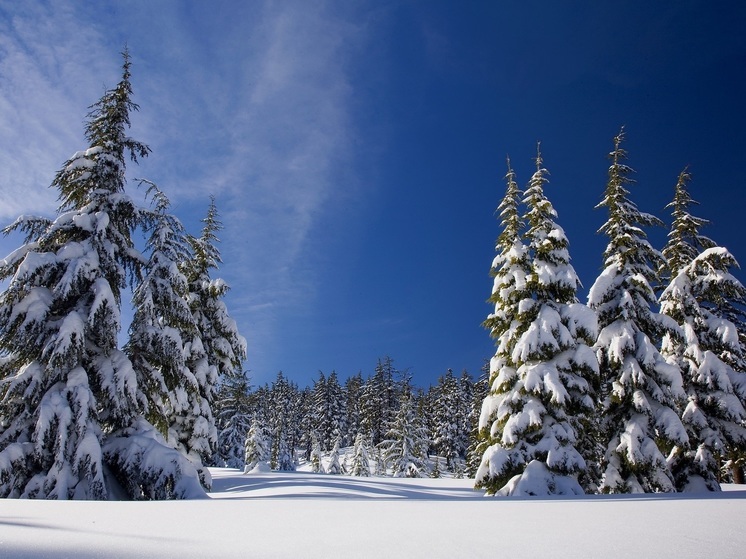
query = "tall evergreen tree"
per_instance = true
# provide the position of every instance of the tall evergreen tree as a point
(214, 351)
(360, 465)
(380, 396)
(450, 417)
(714, 413)
(352, 391)
(510, 270)
(334, 467)
(328, 414)
(256, 449)
(69, 396)
(638, 389)
(544, 377)
(406, 443)
(233, 416)
(162, 316)
(282, 419)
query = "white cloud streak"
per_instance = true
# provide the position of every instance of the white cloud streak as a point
(46, 70)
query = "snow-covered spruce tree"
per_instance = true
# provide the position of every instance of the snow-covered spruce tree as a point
(379, 400)
(328, 409)
(283, 417)
(446, 430)
(161, 316)
(215, 350)
(334, 467)
(256, 449)
(233, 415)
(406, 443)
(714, 413)
(283, 458)
(352, 391)
(546, 394)
(70, 400)
(360, 465)
(510, 270)
(638, 388)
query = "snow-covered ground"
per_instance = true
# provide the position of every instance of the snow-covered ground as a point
(309, 515)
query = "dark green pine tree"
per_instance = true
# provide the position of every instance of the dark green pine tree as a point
(70, 399)
(639, 390)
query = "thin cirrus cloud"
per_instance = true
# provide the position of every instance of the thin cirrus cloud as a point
(45, 72)
(251, 105)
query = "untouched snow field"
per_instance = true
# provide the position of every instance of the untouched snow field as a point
(305, 515)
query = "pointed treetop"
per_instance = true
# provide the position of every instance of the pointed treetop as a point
(508, 210)
(206, 253)
(684, 241)
(625, 222)
(110, 116)
(102, 166)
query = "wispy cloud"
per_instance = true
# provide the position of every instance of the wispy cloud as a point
(250, 103)
(46, 71)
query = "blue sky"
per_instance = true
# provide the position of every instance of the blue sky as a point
(356, 149)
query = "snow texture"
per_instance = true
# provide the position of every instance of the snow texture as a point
(436, 518)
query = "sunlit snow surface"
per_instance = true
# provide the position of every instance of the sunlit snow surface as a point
(302, 515)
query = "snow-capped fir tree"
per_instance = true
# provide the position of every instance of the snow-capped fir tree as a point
(233, 414)
(304, 423)
(334, 467)
(379, 403)
(510, 269)
(282, 418)
(360, 465)
(256, 449)
(315, 454)
(450, 417)
(407, 441)
(283, 457)
(69, 398)
(445, 429)
(638, 388)
(215, 351)
(539, 392)
(352, 391)
(328, 413)
(714, 413)
(162, 315)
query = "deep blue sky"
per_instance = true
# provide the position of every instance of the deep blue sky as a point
(357, 149)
